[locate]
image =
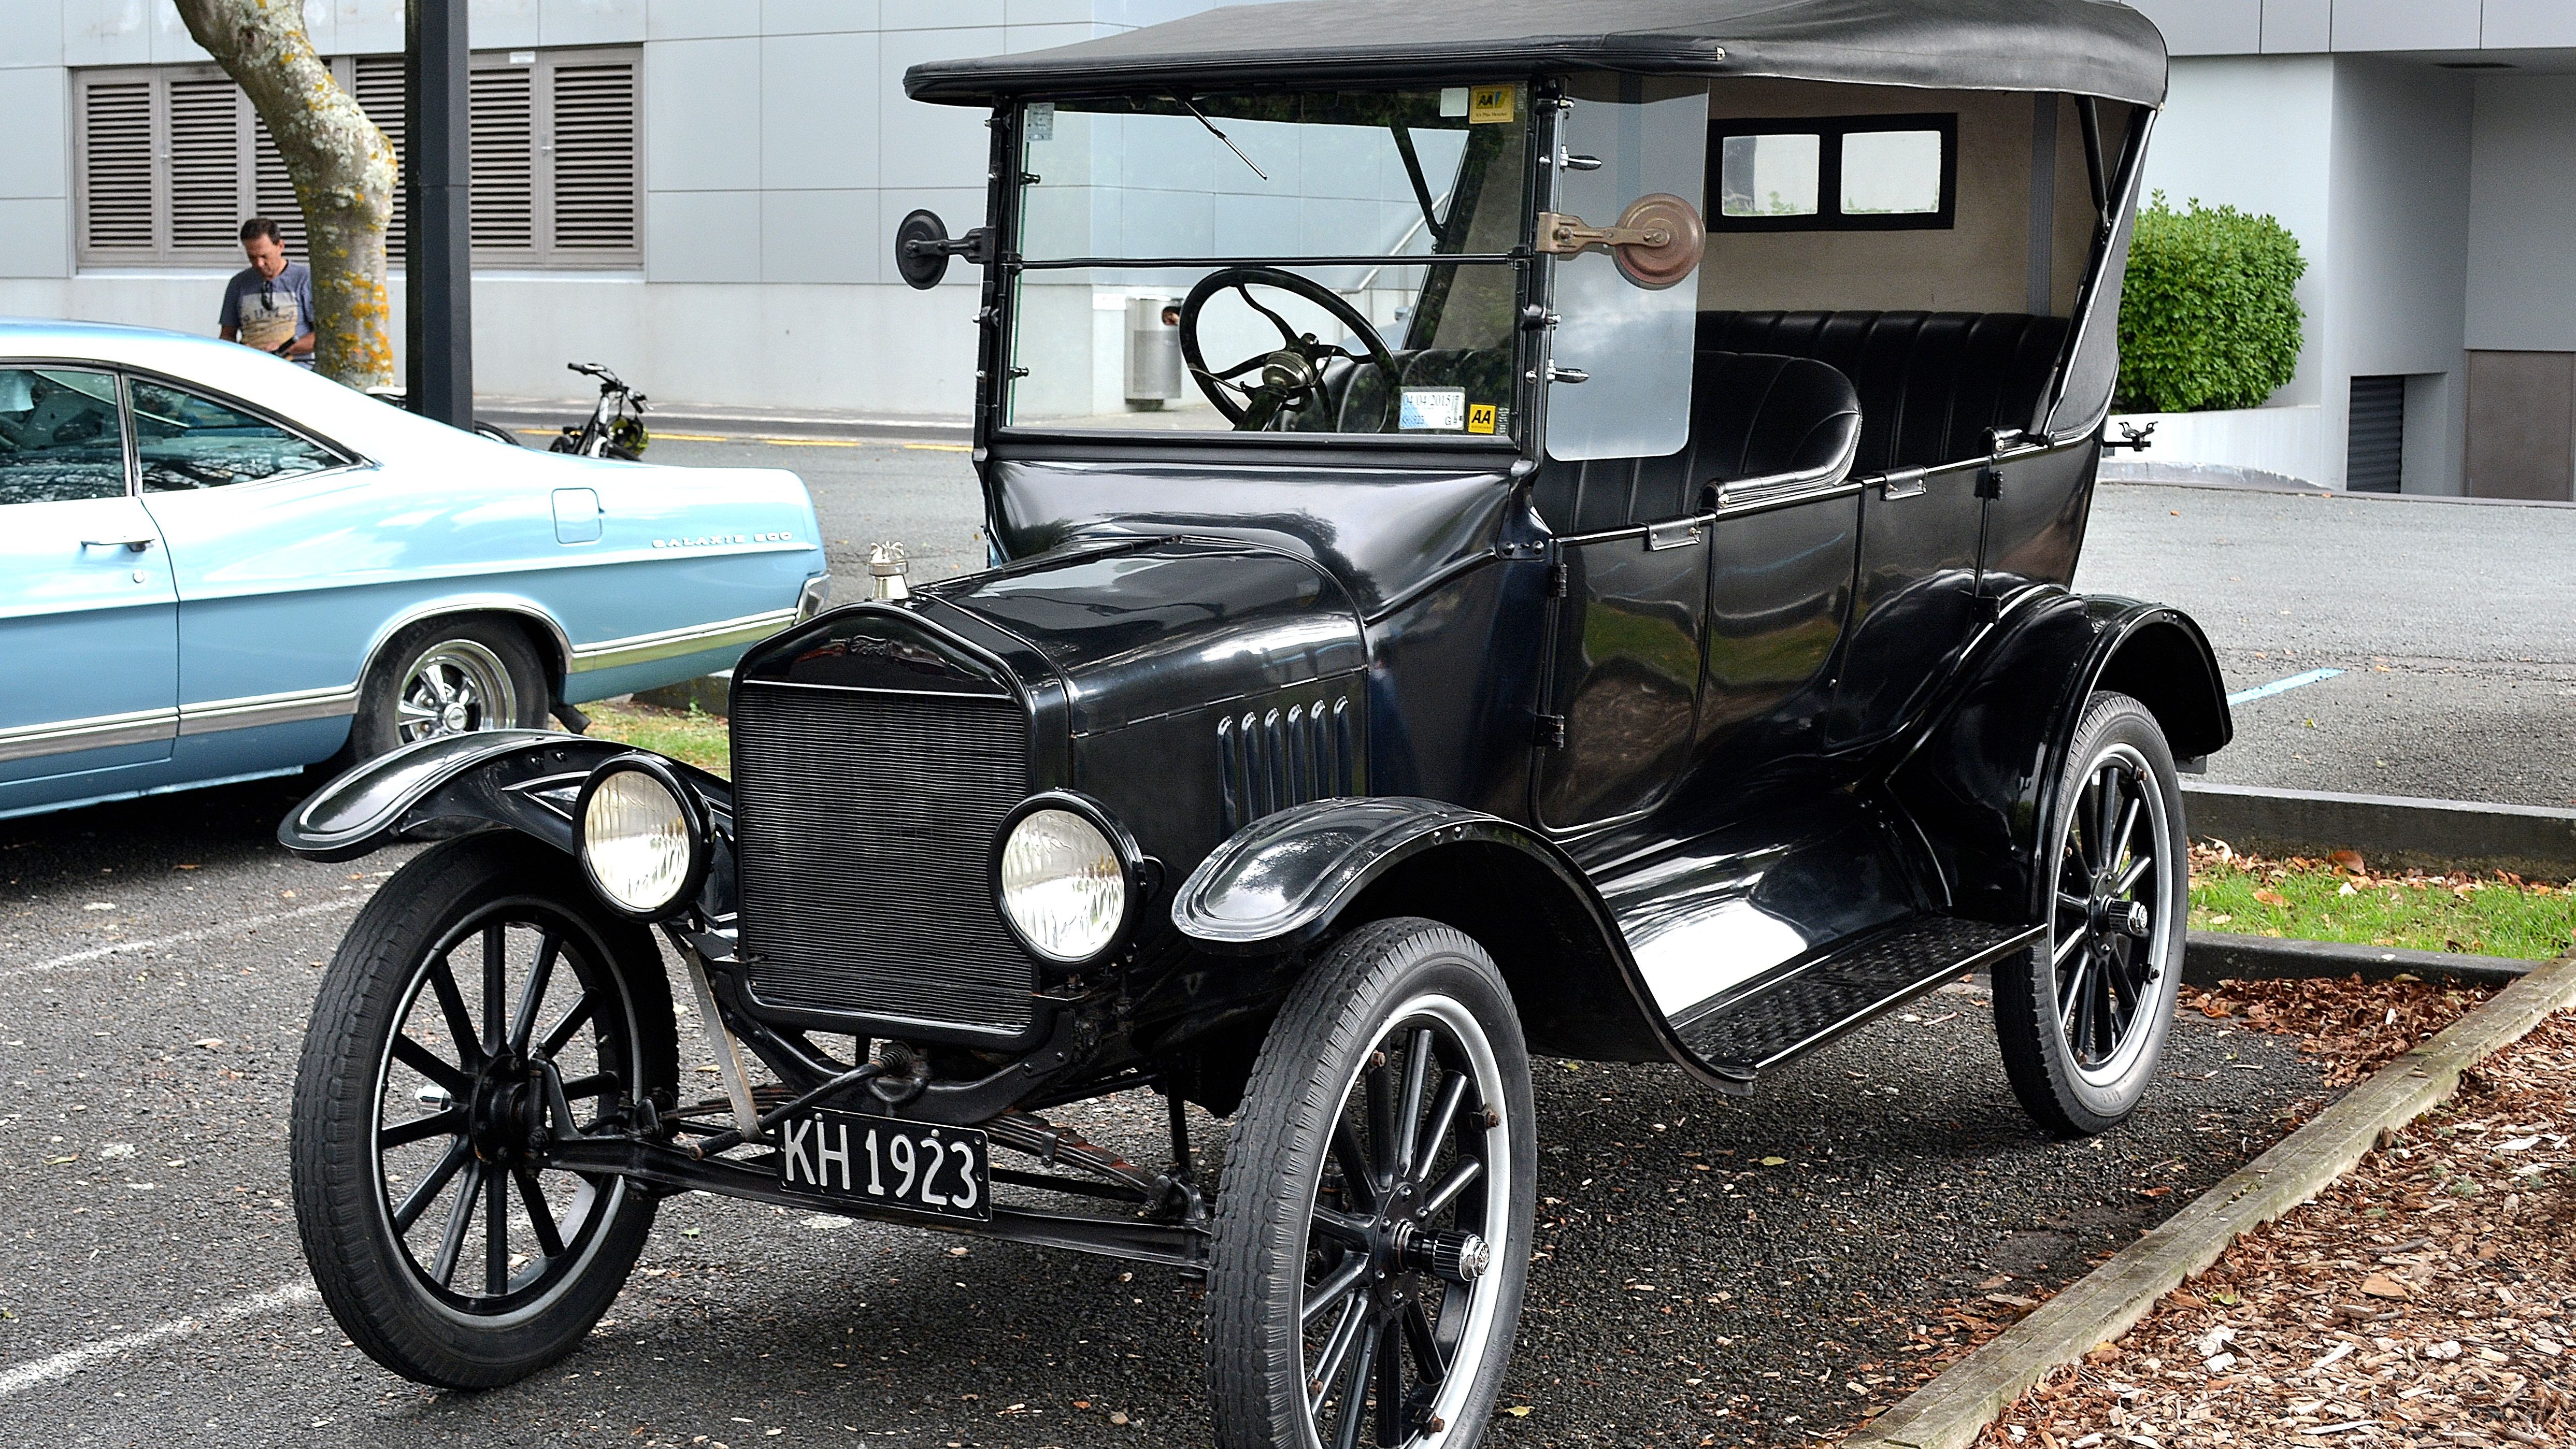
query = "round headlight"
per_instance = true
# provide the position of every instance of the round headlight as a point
(1063, 885)
(639, 840)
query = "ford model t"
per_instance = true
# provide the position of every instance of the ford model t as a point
(1601, 590)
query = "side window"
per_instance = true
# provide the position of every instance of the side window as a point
(1852, 173)
(59, 438)
(189, 442)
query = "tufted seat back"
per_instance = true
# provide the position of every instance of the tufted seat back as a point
(1752, 416)
(1930, 383)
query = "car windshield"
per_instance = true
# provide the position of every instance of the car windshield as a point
(1235, 263)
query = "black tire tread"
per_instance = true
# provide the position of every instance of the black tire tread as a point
(1258, 1235)
(333, 1107)
(2039, 1073)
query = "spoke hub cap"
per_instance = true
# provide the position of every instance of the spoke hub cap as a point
(505, 1108)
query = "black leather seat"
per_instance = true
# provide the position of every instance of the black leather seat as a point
(1930, 383)
(1752, 416)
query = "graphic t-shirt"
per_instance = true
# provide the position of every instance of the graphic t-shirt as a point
(270, 311)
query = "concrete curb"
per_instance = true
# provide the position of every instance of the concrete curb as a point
(2388, 830)
(2210, 957)
(1950, 1411)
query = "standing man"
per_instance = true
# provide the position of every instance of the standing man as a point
(269, 304)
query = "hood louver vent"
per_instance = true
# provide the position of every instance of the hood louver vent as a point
(1282, 755)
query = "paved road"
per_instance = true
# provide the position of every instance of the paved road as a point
(157, 960)
(2454, 624)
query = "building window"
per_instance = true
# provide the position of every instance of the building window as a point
(172, 159)
(1850, 173)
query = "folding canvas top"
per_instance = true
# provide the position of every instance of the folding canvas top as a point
(2078, 47)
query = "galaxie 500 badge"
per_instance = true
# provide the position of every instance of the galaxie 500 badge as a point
(720, 540)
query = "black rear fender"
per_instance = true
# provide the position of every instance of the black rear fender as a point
(1290, 879)
(1980, 780)
(520, 780)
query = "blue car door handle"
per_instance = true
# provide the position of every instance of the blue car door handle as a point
(134, 545)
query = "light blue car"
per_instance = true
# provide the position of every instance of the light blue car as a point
(215, 565)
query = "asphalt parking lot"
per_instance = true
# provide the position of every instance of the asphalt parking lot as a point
(1711, 1270)
(1751, 1272)
(2453, 624)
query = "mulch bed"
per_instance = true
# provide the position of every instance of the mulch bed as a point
(2351, 1028)
(2429, 1297)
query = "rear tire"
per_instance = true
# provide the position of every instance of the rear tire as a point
(1388, 1119)
(449, 676)
(416, 1092)
(2083, 1018)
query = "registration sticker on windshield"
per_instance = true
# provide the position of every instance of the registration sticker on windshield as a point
(1433, 410)
(1489, 106)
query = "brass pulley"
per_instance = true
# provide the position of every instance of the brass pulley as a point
(1656, 242)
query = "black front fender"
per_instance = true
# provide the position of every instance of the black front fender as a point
(522, 780)
(1286, 880)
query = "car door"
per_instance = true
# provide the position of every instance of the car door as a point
(88, 612)
(261, 543)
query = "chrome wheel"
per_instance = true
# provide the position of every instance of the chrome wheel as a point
(1408, 1215)
(455, 687)
(2111, 931)
(509, 1008)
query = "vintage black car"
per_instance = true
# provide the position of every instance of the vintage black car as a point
(1603, 592)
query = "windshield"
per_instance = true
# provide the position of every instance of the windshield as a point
(1335, 262)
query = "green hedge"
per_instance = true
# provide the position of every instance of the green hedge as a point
(2210, 315)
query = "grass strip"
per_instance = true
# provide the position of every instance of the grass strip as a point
(688, 735)
(2342, 899)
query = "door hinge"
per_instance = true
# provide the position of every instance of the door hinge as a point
(1988, 608)
(1559, 582)
(1551, 732)
(1990, 483)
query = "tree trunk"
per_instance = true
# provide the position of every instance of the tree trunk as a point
(342, 167)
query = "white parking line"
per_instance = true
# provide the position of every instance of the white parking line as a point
(72, 1360)
(183, 938)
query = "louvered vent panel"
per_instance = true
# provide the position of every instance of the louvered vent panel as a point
(1277, 756)
(377, 83)
(117, 120)
(275, 191)
(205, 166)
(505, 207)
(594, 158)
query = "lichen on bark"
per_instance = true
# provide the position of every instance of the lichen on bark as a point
(342, 166)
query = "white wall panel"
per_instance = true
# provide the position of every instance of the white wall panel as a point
(35, 37)
(2292, 27)
(2522, 216)
(503, 24)
(590, 22)
(2406, 24)
(700, 19)
(804, 17)
(818, 111)
(106, 32)
(821, 236)
(702, 115)
(36, 238)
(2530, 23)
(940, 15)
(367, 27)
(926, 145)
(702, 236)
(2207, 27)
(37, 160)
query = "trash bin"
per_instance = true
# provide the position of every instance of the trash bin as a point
(1153, 353)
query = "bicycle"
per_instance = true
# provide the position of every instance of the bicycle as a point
(615, 427)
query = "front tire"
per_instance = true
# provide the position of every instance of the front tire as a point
(2083, 1018)
(1373, 1236)
(440, 1241)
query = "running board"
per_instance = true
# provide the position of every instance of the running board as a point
(1741, 1033)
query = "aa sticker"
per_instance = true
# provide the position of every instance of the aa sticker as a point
(1489, 105)
(1480, 417)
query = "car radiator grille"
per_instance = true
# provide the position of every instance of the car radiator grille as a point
(863, 824)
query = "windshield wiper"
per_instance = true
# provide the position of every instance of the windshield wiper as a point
(1184, 103)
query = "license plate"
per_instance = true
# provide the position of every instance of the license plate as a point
(943, 1171)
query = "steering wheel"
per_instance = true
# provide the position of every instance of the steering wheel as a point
(1293, 374)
